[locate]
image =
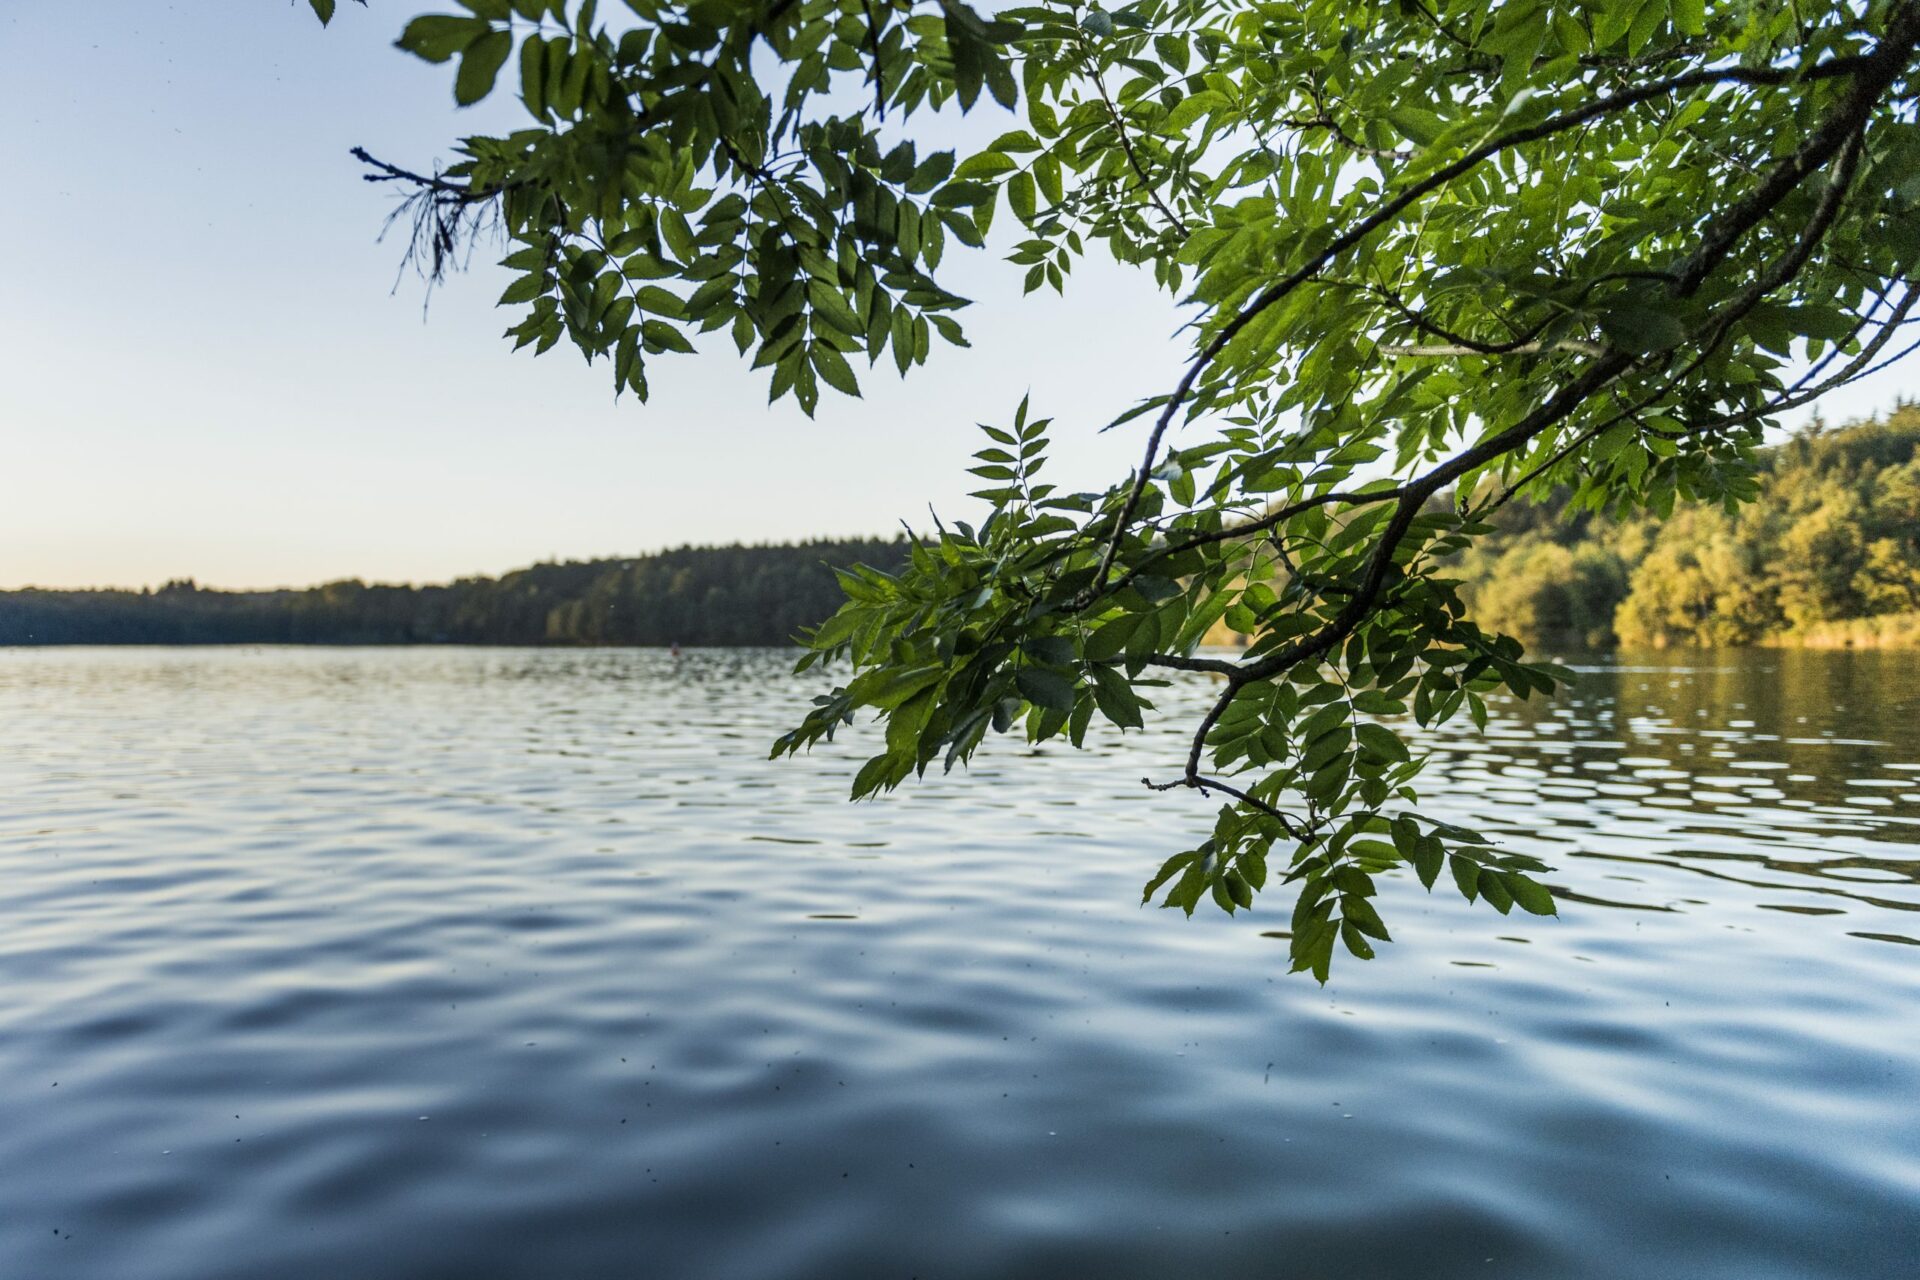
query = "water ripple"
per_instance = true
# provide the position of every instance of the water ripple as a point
(497, 963)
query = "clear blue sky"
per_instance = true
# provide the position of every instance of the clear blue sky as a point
(207, 371)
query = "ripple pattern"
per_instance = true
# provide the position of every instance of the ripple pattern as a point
(504, 963)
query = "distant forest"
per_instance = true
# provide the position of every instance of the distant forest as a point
(1829, 554)
(694, 596)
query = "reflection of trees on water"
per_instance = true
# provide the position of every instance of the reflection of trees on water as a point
(1908, 872)
(1797, 758)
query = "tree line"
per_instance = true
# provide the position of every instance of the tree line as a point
(1828, 552)
(734, 595)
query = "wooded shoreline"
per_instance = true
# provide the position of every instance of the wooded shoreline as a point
(1826, 556)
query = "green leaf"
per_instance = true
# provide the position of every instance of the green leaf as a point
(439, 38)
(1047, 174)
(1531, 895)
(834, 369)
(1324, 721)
(533, 76)
(1427, 858)
(665, 336)
(1322, 750)
(1417, 123)
(479, 65)
(1021, 197)
(1188, 110)
(831, 305)
(1115, 697)
(1110, 637)
(1223, 897)
(524, 289)
(1054, 651)
(1380, 743)
(1177, 862)
(986, 164)
(931, 172)
(1045, 688)
(1648, 19)
(873, 776)
(1642, 330)
(1493, 888)
(653, 298)
(1466, 875)
(1360, 913)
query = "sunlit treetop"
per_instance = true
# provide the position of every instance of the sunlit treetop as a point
(1438, 255)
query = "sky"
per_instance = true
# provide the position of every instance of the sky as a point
(208, 371)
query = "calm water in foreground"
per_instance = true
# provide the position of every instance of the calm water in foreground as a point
(470, 964)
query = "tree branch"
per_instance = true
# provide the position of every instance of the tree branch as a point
(1574, 345)
(1782, 181)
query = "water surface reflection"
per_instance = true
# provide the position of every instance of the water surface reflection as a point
(507, 963)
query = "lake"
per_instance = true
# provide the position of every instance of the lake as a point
(477, 963)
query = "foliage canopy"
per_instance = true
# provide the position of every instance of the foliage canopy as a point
(1431, 247)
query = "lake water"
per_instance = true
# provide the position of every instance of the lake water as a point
(503, 963)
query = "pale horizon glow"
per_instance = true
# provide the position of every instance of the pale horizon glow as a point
(212, 375)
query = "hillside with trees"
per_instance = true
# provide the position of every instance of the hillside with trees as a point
(1828, 553)
(739, 595)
